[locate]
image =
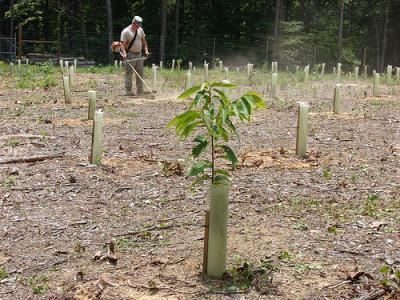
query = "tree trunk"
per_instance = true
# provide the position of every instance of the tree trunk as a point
(11, 19)
(82, 22)
(276, 30)
(110, 30)
(385, 26)
(378, 44)
(177, 10)
(163, 29)
(340, 37)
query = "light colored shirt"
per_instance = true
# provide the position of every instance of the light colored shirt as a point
(128, 34)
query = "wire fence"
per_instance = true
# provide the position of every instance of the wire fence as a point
(94, 47)
(7, 49)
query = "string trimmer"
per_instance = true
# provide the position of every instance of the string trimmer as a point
(115, 47)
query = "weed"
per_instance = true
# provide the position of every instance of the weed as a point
(332, 229)
(13, 143)
(126, 243)
(354, 178)
(391, 277)
(131, 114)
(285, 256)
(327, 174)
(371, 206)
(3, 273)
(36, 283)
(301, 226)
(244, 275)
(10, 181)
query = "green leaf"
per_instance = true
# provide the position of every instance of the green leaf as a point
(246, 108)
(188, 92)
(223, 97)
(189, 128)
(232, 128)
(256, 98)
(200, 179)
(230, 154)
(187, 115)
(223, 84)
(222, 171)
(200, 138)
(199, 167)
(199, 148)
(384, 269)
(198, 97)
(223, 115)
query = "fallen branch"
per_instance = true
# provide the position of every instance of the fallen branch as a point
(161, 288)
(25, 136)
(373, 295)
(31, 159)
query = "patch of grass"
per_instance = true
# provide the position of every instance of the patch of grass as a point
(131, 114)
(371, 206)
(244, 275)
(126, 244)
(13, 143)
(285, 256)
(37, 283)
(10, 181)
(3, 273)
(326, 173)
(301, 226)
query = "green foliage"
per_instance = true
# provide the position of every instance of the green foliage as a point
(391, 278)
(37, 283)
(244, 275)
(212, 112)
(3, 273)
(10, 181)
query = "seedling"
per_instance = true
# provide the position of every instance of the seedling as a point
(10, 181)
(211, 112)
(13, 143)
(326, 173)
(285, 256)
(391, 277)
(301, 226)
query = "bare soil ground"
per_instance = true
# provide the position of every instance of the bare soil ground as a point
(323, 226)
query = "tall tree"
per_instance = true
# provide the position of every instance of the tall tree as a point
(275, 49)
(340, 36)
(163, 29)
(110, 29)
(177, 11)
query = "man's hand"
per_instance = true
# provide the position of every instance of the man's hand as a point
(147, 53)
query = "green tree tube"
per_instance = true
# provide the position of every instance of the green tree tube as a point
(356, 71)
(173, 64)
(302, 125)
(274, 84)
(365, 71)
(389, 74)
(306, 73)
(375, 89)
(97, 138)
(67, 90)
(226, 71)
(62, 67)
(75, 64)
(161, 65)
(188, 84)
(338, 71)
(397, 74)
(66, 67)
(116, 65)
(19, 64)
(71, 76)
(92, 104)
(323, 70)
(190, 66)
(217, 234)
(205, 71)
(221, 66)
(154, 73)
(337, 98)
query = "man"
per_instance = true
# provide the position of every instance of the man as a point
(133, 39)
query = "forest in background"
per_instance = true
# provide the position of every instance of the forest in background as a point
(292, 32)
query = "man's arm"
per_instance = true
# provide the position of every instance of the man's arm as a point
(145, 47)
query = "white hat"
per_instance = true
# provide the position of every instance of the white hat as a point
(137, 20)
